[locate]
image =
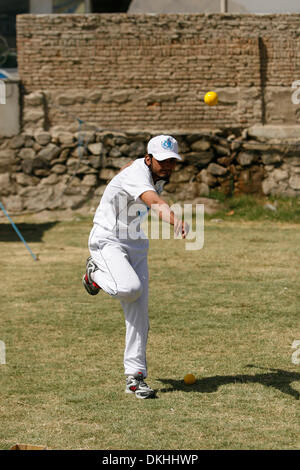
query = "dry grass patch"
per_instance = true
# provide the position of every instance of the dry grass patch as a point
(227, 313)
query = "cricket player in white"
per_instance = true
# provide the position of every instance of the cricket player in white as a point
(119, 248)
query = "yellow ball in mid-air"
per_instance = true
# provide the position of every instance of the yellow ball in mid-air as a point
(189, 379)
(211, 98)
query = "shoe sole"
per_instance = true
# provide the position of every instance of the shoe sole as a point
(87, 287)
(140, 396)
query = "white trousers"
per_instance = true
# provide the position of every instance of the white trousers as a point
(123, 273)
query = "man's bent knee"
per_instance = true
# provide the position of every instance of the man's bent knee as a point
(131, 292)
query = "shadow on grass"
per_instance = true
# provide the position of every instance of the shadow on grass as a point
(31, 232)
(279, 379)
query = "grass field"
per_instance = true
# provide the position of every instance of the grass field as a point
(228, 313)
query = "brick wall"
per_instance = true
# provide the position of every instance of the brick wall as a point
(137, 72)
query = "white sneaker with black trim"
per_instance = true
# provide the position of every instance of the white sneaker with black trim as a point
(136, 384)
(91, 287)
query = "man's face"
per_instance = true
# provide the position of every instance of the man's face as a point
(161, 169)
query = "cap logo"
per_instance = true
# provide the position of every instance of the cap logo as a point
(167, 144)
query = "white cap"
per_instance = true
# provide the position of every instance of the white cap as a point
(163, 147)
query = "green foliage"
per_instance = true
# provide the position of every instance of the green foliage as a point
(250, 207)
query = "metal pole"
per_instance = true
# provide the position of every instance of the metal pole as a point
(224, 6)
(18, 232)
(87, 6)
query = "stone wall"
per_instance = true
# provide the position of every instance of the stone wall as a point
(150, 72)
(61, 170)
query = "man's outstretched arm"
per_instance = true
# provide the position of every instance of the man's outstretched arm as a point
(163, 210)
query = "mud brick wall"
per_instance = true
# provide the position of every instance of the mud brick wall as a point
(150, 72)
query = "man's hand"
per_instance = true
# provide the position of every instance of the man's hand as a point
(181, 228)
